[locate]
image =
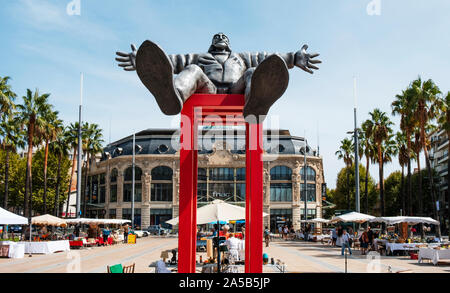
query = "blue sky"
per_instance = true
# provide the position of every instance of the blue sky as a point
(44, 47)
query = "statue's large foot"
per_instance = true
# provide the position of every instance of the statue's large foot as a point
(268, 83)
(156, 73)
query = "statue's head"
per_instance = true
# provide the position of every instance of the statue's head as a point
(220, 42)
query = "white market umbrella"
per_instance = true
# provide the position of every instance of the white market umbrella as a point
(218, 210)
(8, 218)
(48, 220)
(352, 217)
(96, 221)
(405, 219)
(316, 220)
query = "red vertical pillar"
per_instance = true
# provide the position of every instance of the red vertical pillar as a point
(254, 198)
(188, 192)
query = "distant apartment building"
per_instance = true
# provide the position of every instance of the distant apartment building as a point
(439, 161)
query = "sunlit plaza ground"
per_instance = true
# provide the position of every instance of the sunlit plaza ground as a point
(299, 257)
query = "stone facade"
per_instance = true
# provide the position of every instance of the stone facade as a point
(221, 156)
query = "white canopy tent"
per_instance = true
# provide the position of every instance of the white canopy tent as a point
(48, 220)
(8, 218)
(97, 221)
(352, 217)
(218, 210)
(409, 220)
(316, 220)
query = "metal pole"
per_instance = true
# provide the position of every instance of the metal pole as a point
(132, 185)
(304, 185)
(356, 154)
(79, 163)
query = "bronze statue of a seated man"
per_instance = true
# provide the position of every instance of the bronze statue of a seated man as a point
(262, 77)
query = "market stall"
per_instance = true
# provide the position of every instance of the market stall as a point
(433, 254)
(41, 245)
(11, 249)
(352, 217)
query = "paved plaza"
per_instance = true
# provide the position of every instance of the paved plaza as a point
(299, 257)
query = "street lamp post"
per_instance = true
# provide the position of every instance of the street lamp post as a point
(79, 151)
(304, 186)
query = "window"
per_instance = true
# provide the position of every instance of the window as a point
(201, 174)
(112, 214)
(126, 214)
(161, 187)
(281, 192)
(280, 217)
(310, 192)
(311, 214)
(113, 176)
(129, 174)
(94, 191)
(240, 192)
(221, 174)
(281, 173)
(310, 174)
(127, 192)
(240, 174)
(160, 216)
(102, 194)
(113, 193)
(161, 192)
(162, 173)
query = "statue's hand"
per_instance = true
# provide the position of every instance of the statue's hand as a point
(305, 60)
(127, 60)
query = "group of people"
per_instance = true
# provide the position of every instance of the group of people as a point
(345, 239)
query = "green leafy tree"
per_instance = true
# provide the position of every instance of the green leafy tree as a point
(369, 151)
(60, 148)
(7, 96)
(339, 195)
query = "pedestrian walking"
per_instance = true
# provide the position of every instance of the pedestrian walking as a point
(345, 241)
(267, 236)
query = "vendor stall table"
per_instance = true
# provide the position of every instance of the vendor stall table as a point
(434, 254)
(391, 247)
(46, 247)
(12, 249)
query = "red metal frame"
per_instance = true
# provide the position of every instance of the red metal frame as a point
(201, 109)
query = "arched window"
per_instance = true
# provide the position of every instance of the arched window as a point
(162, 173)
(310, 174)
(113, 185)
(161, 187)
(281, 173)
(129, 173)
(113, 176)
(128, 184)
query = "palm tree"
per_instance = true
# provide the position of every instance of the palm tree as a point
(7, 96)
(12, 135)
(60, 148)
(444, 123)
(381, 133)
(50, 130)
(426, 96)
(345, 153)
(403, 159)
(71, 137)
(31, 114)
(404, 106)
(91, 146)
(369, 153)
(417, 149)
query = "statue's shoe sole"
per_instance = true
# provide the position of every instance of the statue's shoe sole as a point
(156, 72)
(268, 83)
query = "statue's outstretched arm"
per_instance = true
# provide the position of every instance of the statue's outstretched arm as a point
(179, 62)
(300, 59)
(127, 60)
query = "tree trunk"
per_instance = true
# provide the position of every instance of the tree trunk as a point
(45, 176)
(71, 178)
(348, 190)
(419, 194)
(380, 164)
(28, 193)
(5, 199)
(86, 191)
(58, 175)
(409, 181)
(402, 190)
(366, 185)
